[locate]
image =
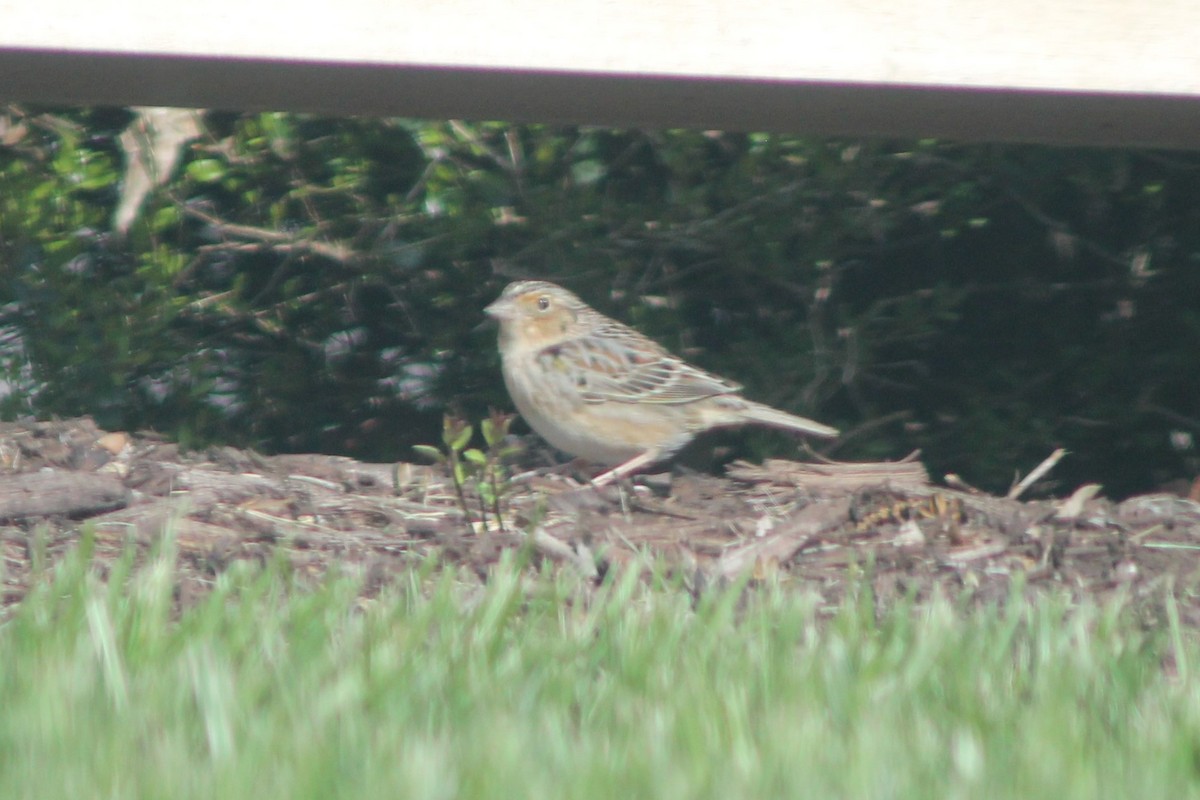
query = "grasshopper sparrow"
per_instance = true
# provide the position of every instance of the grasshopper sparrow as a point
(597, 389)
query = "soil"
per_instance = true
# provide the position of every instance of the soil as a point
(822, 527)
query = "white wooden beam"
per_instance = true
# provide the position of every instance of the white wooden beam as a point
(1070, 71)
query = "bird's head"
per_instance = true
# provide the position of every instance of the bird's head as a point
(536, 314)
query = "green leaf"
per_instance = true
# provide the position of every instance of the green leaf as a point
(97, 175)
(464, 436)
(588, 172)
(165, 217)
(430, 452)
(206, 170)
(475, 456)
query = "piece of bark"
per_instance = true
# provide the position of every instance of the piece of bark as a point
(54, 493)
(147, 523)
(788, 539)
(831, 477)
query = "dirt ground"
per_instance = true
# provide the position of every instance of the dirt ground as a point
(818, 526)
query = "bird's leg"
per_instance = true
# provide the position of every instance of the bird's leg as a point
(628, 468)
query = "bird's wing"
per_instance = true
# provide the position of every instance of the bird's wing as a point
(617, 364)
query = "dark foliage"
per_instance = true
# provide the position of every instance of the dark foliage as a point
(314, 284)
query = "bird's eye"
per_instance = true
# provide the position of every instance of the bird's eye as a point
(543, 303)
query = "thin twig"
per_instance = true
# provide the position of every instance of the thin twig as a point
(495, 482)
(556, 548)
(1037, 473)
(277, 240)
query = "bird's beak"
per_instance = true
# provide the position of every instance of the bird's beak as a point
(500, 309)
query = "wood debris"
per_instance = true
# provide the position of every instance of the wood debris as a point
(819, 527)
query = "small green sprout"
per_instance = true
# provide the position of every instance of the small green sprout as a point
(481, 470)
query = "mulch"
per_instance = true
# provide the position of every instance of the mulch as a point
(821, 527)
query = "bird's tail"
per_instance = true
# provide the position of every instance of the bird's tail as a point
(773, 417)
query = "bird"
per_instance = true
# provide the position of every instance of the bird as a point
(597, 389)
